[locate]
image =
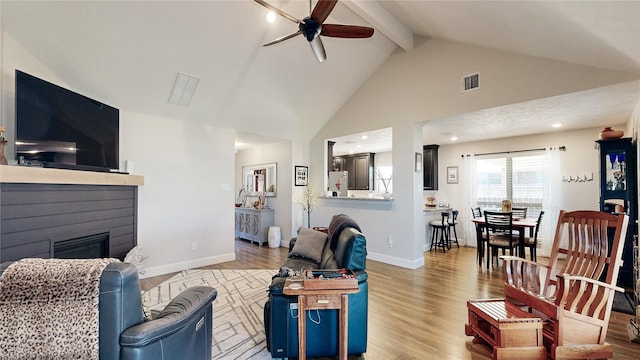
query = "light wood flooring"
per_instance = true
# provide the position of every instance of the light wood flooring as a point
(420, 314)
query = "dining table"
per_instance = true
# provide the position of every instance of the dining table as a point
(521, 225)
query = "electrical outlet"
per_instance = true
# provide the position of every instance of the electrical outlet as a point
(389, 241)
(194, 246)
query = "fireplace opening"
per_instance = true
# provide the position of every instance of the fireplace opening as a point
(85, 247)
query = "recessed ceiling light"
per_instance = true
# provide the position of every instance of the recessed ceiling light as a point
(364, 137)
(271, 16)
(556, 125)
(454, 138)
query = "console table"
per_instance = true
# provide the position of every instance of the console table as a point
(253, 224)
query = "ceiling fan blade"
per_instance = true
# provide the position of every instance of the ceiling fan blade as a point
(283, 38)
(322, 10)
(278, 11)
(346, 31)
(318, 49)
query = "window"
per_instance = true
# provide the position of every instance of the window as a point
(518, 178)
(384, 176)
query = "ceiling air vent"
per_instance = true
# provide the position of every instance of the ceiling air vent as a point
(470, 82)
(183, 88)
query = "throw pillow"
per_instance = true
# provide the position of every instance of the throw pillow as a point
(309, 244)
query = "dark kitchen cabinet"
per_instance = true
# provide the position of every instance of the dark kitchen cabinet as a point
(430, 167)
(360, 168)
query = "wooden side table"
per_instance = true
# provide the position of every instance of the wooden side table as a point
(318, 299)
(513, 333)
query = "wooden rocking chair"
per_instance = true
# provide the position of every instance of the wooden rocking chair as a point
(571, 295)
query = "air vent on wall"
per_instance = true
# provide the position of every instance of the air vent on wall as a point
(470, 82)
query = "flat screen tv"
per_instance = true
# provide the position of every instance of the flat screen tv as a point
(59, 128)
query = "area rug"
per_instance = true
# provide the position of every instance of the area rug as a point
(238, 330)
(623, 302)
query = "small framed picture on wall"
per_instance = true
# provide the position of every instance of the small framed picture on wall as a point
(301, 175)
(452, 174)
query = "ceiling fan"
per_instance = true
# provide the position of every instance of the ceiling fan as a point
(313, 26)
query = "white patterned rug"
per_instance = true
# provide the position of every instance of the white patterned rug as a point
(238, 330)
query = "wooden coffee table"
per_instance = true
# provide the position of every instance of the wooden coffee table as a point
(318, 298)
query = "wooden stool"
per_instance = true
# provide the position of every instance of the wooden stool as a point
(512, 332)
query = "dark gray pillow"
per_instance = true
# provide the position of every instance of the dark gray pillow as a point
(309, 244)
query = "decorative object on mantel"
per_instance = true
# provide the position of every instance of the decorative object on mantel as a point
(609, 133)
(308, 203)
(3, 141)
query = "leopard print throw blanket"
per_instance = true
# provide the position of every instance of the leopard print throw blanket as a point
(49, 309)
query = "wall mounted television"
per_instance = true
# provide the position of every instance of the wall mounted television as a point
(59, 128)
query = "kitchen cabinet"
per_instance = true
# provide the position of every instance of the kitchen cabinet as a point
(360, 168)
(430, 167)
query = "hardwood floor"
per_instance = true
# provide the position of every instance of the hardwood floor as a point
(420, 314)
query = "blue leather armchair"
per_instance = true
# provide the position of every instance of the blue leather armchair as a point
(281, 314)
(183, 330)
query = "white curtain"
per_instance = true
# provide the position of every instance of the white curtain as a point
(469, 174)
(551, 200)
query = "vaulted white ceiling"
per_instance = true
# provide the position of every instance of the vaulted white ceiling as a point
(127, 54)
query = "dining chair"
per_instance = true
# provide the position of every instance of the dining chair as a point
(440, 227)
(500, 234)
(482, 236)
(519, 212)
(532, 241)
(453, 221)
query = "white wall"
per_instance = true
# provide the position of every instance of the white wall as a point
(186, 167)
(414, 87)
(188, 193)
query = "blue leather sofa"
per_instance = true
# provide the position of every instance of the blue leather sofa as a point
(183, 330)
(348, 246)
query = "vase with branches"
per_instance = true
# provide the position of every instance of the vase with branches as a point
(385, 183)
(308, 203)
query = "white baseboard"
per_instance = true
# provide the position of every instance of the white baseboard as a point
(189, 264)
(392, 260)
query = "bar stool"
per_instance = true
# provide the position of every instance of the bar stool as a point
(440, 226)
(452, 224)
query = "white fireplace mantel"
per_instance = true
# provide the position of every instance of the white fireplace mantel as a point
(38, 175)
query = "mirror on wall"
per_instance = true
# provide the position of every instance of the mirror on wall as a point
(258, 179)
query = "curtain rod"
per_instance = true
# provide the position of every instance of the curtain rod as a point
(561, 148)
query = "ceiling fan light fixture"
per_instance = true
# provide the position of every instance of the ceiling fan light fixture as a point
(318, 49)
